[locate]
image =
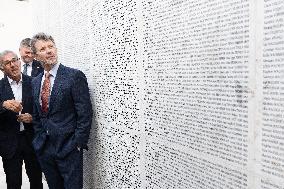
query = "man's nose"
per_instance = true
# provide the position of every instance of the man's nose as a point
(49, 51)
(13, 64)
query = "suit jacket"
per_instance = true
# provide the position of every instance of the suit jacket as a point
(9, 126)
(68, 121)
(36, 68)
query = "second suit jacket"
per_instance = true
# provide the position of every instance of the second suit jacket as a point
(36, 68)
(68, 121)
(9, 126)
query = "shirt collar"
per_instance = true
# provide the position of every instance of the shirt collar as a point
(53, 70)
(30, 63)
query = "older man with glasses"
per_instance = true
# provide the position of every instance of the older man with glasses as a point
(16, 129)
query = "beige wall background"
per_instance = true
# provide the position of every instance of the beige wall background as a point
(15, 24)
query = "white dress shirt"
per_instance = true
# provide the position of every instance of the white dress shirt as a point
(29, 67)
(53, 73)
(1, 75)
(17, 91)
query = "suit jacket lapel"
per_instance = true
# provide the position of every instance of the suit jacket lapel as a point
(59, 79)
(8, 92)
(34, 69)
(24, 90)
(37, 85)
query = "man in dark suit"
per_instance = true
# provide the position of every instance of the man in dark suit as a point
(30, 66)
(62, 117)
(16, 130)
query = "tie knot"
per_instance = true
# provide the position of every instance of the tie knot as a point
(26, 65)
(47, 74)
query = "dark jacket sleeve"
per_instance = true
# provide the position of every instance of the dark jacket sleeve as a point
(83, 107)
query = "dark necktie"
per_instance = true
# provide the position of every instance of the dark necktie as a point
(45, 93)
(25, 69)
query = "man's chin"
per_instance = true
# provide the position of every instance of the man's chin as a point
(27, 60)
(49, 65)
(14, 76)
(52, 62)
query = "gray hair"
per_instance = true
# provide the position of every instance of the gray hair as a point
(40, 36)
(26, 42)
(4, 53)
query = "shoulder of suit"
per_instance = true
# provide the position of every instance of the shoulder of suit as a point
(37, 63)
(5, 78)
(26, 77)
(2, 80)
(69, 69)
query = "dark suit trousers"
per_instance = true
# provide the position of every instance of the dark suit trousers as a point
(62, 173)
(13, 166)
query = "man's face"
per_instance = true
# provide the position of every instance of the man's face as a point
(27, 55)
(11, 66)
(46, 52)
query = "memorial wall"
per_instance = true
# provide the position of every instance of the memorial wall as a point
(187, 94)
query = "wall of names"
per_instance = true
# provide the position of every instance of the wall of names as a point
(176, 86)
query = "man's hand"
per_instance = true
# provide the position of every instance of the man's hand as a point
(25, 118)
(13, 105)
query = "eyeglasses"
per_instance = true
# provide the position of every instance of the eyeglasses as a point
(14, 60)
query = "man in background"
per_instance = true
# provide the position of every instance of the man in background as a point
(16, 129)
(62, 117)
(30, 66)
